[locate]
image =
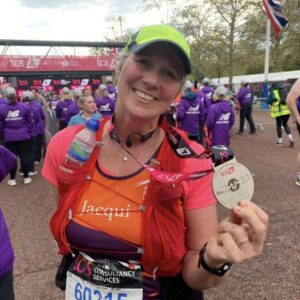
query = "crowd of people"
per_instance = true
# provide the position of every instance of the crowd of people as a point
(122, 211)
(27, 124)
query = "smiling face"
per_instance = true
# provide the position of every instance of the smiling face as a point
(149, 81)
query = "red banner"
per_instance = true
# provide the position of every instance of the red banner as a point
(56, 63)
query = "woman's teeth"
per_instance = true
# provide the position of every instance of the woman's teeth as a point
(144, 96)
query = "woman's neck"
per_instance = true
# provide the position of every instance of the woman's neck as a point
(86, 115)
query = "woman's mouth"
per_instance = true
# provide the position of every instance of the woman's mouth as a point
(144, 96)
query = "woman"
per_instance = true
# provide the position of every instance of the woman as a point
(220, 118)
(87, 110)
(280, 111)
(16, 128)
(124, 213)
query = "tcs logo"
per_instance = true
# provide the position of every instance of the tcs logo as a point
(17, 63)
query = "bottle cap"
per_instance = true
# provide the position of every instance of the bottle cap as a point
(92, 124)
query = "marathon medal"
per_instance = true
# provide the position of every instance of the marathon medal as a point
(232, 182)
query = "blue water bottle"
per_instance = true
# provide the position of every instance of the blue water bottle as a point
(83, 144)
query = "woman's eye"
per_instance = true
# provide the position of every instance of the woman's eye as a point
(143, 62)
(169, 74)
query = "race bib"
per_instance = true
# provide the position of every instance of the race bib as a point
(103, 280)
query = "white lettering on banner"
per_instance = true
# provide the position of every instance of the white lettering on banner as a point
(102, 62)
(17, 63)
(84, 82)
(113, 64)
(108, 212)
(65, 63)
(33, 62)
(46, 82)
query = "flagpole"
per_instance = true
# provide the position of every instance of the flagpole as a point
(267, 58)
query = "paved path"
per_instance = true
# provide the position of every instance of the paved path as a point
(274, 275)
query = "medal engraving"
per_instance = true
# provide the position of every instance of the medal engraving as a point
(232, 182)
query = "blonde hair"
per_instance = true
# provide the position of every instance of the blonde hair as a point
(82, 99)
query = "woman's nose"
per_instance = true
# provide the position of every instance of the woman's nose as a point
(151, 78)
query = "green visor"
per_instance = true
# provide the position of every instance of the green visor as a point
(149, 35)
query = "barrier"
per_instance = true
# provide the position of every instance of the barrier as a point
(261, 116)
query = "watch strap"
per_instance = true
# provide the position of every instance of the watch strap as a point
(219, 272)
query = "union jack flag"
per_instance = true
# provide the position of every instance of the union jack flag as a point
(274, 9)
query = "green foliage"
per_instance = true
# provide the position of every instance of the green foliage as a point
(227, 37)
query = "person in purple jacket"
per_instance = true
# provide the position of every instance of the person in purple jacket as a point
(16, 128)
(207, 93)
(2, 101)
(245, 100)
(105, 105)
(190, 113)
(206, 96)
(7, 161)
(38, 130)
(27, 97)
(220, 118)
(66, 108)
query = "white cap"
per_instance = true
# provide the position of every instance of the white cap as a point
(108, 79)
(205, 80)
(102, 87)
(77, 92)
(243, 82)
(65, 90)
(10, 91)
(188, 85)
(221, 91)
(27, 94)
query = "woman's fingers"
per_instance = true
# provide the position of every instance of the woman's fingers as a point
(257, 221)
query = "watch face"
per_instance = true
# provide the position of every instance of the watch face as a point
(232, 182)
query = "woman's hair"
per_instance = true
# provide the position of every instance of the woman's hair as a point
(82, 99)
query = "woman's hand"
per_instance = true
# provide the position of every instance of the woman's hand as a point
(239, 237)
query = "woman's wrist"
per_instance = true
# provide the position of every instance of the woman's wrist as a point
(210, 265)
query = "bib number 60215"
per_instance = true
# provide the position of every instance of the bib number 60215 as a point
(86, 293)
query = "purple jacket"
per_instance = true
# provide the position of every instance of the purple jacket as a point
(65, 110)
(7, 160)
(207, 94)
(15, 122)
(6, 250)
(244, 95)
(106, 106)
(2, 101)
(189, 113)
(38, 118)
(220, 120)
